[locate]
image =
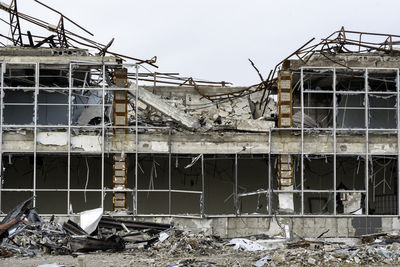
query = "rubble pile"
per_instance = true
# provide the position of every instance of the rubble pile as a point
(31, 236)
(36, 238)
(228, 111)
(219, 113)
(383, 249)
(185, 242)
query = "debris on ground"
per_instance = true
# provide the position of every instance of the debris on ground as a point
(245, 245)
(31, 236)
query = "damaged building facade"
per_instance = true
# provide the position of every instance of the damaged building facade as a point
(318, 141)
(77, 131)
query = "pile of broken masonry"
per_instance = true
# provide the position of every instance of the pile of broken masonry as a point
(32, 236)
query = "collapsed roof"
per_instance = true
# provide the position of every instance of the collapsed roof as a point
(209, 106)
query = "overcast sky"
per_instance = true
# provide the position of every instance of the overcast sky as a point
(212, 39)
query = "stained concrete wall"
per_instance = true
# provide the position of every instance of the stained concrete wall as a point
(299, 226)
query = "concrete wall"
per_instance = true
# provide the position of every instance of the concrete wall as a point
(298, 226)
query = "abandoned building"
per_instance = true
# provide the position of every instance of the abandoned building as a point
(318, 139)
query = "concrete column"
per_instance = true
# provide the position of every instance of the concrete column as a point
(285, 162)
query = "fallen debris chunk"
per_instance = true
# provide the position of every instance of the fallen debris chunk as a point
(312, 261)
(163, 236)
(11, 221)
(305, 244)
(383, 252)
(90, 219)
(4, 227)
(254, 125)
(18, 211)
(177, 115)
(5, 253)
(87, 244)
(51, 265)
(73, 229)
(125, 228)
(263, 261)
(110, 223)
(245, 244)
(33, 217)
(371, 238)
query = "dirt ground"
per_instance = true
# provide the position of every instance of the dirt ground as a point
(223, 257)
(140, 258)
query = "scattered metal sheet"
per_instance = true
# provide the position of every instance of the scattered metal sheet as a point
(111, 223)
(19, 210)
(73, 228)
(89, 219)
(87, 244)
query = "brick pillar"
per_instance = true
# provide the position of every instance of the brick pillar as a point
(120, 118)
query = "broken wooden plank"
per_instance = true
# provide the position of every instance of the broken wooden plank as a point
(175, 114)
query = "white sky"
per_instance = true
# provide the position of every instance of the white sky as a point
(212, 39)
